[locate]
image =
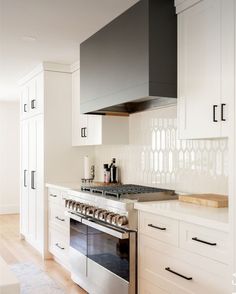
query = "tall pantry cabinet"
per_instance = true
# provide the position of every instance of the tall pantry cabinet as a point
(46, 152)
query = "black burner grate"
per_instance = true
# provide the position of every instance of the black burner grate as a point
(120, 190)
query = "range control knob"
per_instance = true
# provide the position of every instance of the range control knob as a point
(98, 212)
(121, 220)
(103, 215)
(73, 205)
(110, 217)
(89, 210)
(77, 206)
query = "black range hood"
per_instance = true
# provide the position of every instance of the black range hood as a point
(131, 64)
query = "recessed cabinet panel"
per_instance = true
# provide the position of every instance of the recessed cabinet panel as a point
(32, 97)
(32, 180)
(205, 64)
(24, 104)
(24, 203)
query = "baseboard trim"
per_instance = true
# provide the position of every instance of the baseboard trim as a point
(9, 209)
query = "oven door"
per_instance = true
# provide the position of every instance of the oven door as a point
(78, 250)
(111, 256)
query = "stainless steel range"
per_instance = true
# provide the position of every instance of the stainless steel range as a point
(103, 235)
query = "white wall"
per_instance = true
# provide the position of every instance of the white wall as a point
(9, 157)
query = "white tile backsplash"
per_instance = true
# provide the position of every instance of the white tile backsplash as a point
(156, 157)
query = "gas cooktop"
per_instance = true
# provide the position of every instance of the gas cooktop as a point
(122, 191)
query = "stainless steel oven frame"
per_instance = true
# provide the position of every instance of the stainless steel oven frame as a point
(95, 278)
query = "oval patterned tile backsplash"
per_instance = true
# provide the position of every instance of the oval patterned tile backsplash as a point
(156, 157)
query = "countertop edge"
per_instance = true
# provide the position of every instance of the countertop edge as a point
(194, 219)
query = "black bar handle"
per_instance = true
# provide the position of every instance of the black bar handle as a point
(25, 172)
(33, 179)
(53, 195)
(222, 111)
(25, 107)
(204, 242)
(82, 132)
(177, 274)
(156, 227)
(33, 106)
(60, 219)
(85, 133)
(62, 248)
(214, 113)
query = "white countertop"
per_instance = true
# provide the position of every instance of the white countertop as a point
(64, 186)
(8, 282)
(216, 218)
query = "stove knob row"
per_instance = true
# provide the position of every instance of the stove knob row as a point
(98, 213)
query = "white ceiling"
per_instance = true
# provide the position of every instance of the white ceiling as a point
(32, 31)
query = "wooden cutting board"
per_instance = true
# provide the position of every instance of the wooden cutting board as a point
(210, 200)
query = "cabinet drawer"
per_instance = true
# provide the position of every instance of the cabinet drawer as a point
(145, 287)
(158, 227)
(56, 216)
(57, 196)
(58, 243)
(203, 241)
(173, 275)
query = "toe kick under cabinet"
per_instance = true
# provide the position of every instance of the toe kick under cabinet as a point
(181, 258)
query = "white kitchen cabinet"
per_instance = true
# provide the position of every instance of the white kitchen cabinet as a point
(32, 158)
(205, 68)
(95, 129)
(46, 151)
(24, 203)
(59, 226)
(32, 97)
(180, 257)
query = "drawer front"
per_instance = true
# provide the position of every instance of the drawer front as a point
(145, 287)
(173, 275)
(57, 196)
(203, 241)
(59, 243)
(56, 216)
(160, 228)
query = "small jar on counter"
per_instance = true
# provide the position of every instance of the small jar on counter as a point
(107, 173)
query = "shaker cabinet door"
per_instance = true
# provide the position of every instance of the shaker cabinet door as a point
(24, 102)
(206, 61)
(24, 184)
(32, 190)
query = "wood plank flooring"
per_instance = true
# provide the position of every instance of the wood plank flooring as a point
(14, 250)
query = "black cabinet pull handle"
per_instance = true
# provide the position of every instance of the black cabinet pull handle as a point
(85, 133)
(156, 227)
(204, 242)
(222, 111)
(25, 107)
(53, 195)
(214, 113)
(33, 179)
(177, 274)
(62, 248)
(81, 132)
(60, 219)
(33, 106)
(25, 172)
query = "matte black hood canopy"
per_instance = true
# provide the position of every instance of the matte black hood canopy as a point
(131, 64)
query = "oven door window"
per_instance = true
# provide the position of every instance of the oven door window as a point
(78, 236)
(110, 252)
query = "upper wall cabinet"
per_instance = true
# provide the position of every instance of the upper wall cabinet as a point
(95, 129)
(205, 68)
(32, 97)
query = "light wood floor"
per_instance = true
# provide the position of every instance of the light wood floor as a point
(13, 250)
